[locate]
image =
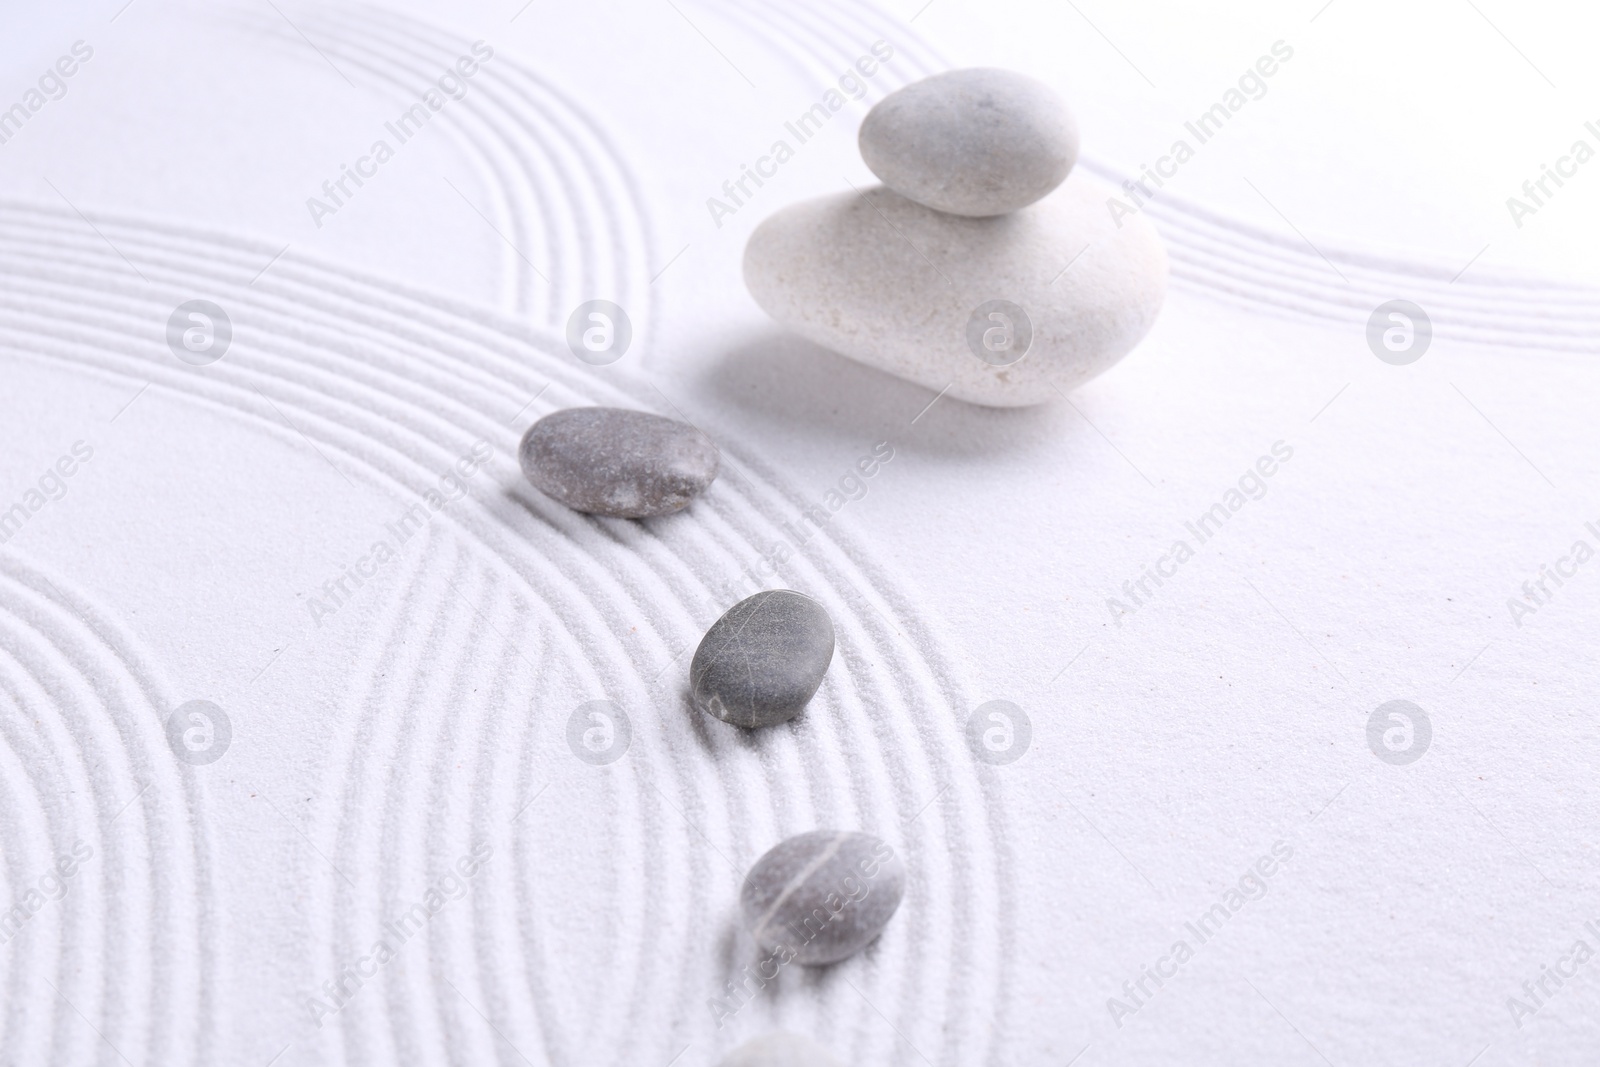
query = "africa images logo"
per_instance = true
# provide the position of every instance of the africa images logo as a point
(999, 332)
(199, 332)
(199, 732)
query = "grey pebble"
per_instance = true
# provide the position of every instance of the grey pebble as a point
(981, 141)
(780, 1049)
(619, 463)
(763, 660)
(823, 895)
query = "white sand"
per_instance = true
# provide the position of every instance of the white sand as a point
(422, 725)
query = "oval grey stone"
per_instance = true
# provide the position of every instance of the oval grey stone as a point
(821, 896)
(780, 1049)
(971, 142)
(763, 660)
(619, 463)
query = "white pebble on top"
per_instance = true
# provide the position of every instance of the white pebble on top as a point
(971, 142)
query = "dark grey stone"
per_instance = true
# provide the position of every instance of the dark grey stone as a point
(821, 896)
(763, 660)
(779, 1049)
(619, 463)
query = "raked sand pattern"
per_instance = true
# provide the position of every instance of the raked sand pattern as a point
(87, 772)
(1231, 261)
(564, 200)
(509, 613)
(600, 918)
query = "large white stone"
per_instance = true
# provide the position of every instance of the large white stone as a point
(971, 142)
(895, 285)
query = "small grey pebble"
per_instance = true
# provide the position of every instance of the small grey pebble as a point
(780, 1049)
(822, 895)
(763, 660)
(971, 142)
(619, 463)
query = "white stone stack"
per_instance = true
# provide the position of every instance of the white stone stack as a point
(976, 266)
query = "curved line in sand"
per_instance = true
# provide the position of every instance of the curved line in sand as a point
(867, 633)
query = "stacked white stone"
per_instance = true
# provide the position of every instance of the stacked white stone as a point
(977, 267)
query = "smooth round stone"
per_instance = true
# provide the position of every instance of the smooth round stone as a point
(971, 142)
(615, 462)
(851, 276)
(763, 660)
(822, 895)
(780, 1049)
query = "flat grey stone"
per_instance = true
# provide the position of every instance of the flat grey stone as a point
(904, 288)
(761, 662)
(780, 1049)
(823, 895)
(971, 142)
(615, 462)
